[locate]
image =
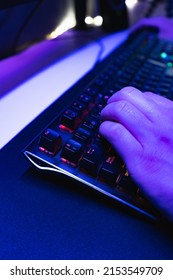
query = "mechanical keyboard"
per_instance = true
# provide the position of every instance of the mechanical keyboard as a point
(71, 144)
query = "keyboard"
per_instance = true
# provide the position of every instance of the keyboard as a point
(70, 144)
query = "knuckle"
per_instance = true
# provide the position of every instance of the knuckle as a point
(126, 92)
(124, 107)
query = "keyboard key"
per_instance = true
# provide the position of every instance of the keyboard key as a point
(95, 114)
(79, 108)
(92, 91)
(110, 169)
(50, 141)
(102, 142)
(90, 124)
(70, 120)
(72, 151)
(127, 185)
(92, 159)
(82, 135)
(85, 99)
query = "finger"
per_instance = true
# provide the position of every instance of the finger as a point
(159, 100)
(130, 117)
(137, 98)
(121, 140)
(124, 93)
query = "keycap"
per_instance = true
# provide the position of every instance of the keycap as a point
(79, 108)
(92, 159)
(50, 141)
(90, 124)
(92, 91)
(102, 142)
(95, 113)
(110, 169)
(72, 151)
(70, 120)
(85, 99)
(82, 135)
(127, 185)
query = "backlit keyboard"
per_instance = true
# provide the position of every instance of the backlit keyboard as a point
(71, 144)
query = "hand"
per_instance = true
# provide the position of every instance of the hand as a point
(164, 24)
(140, 127)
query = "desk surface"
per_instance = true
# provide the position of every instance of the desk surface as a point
(45, 218)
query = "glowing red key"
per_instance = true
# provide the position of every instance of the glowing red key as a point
(50, 142)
